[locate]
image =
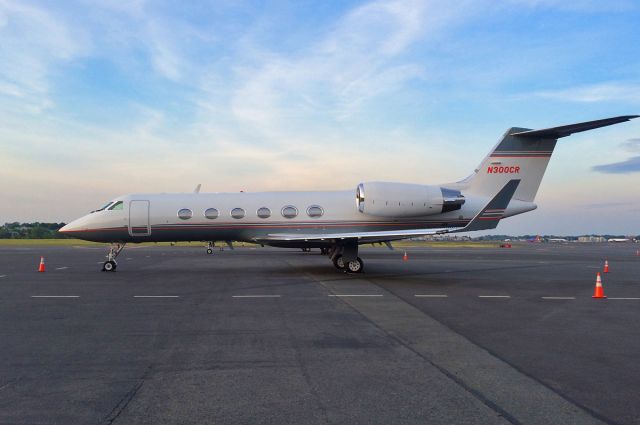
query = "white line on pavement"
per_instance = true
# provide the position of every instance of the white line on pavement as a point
(62, 268)
(2, 275)
(558, 298)
(355, 295)
(255, 296)
(494, 296)
(431, 295)
(156, 296)
(616, 298)
(55, 296)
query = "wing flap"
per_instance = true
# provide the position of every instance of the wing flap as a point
(376, 236)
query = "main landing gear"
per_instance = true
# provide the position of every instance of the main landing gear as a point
(210, 246)
(353, 266)
(345, 257)
(110, 265)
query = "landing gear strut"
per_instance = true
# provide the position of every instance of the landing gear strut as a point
(210, 246)
(110, 265)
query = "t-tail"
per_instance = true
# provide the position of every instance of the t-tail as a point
(523, 154)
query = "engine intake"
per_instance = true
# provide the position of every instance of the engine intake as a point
(385, 199)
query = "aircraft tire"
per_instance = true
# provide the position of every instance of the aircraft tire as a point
(338, 262)
(109, 266)
(209, 251)
(355, 266)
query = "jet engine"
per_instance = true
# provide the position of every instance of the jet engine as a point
(385, 199)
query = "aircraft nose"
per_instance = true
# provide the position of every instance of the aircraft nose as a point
(70, 227)
(66, 228)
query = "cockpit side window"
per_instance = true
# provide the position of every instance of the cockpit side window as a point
(117, 206)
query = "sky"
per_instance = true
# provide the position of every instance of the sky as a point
(100, 98)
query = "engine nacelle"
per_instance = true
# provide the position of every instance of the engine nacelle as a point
(384, 199)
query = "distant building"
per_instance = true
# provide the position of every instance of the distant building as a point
(591, 239)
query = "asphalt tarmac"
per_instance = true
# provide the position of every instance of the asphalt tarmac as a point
(276, 336)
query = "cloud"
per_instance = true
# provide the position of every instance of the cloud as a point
(632, 145)
(588, 6)
(631, 165)
(609, 205)
(32, 41)
(361, 57)
(602, 92)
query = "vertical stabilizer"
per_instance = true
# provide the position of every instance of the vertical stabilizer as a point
(513, 157)
(524, 154)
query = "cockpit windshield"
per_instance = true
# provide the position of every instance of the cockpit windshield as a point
(117, 206)
(106, 206)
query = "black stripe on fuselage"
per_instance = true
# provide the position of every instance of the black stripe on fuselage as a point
(247, 231)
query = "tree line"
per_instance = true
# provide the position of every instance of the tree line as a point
(35, 230)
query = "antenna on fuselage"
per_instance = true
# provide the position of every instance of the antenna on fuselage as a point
(197, 189)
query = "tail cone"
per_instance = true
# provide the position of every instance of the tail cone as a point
(599, 291)
(41, 268)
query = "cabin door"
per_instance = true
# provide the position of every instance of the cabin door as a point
(139, 218)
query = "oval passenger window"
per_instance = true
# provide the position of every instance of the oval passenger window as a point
(211, 213)
(185, 214)
(315, 211)
(237, 213)
(289, 211)
(264, 212)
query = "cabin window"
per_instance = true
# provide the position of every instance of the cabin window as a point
(211, 213)
(185, 214)
(237, 213)
(118, 206)
(315, 211)
(289, 211)
(264, 212)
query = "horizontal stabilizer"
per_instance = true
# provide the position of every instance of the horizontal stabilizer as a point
(567, 130)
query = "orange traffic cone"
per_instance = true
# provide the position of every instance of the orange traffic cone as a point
(41, 268)
(606, 266)
(405, 257)
(599, 291)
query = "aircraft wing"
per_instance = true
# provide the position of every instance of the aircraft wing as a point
(487, 218)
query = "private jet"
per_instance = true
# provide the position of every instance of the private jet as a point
(338, 222)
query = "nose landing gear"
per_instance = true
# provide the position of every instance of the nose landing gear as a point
(210, 246)
(110, 265)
